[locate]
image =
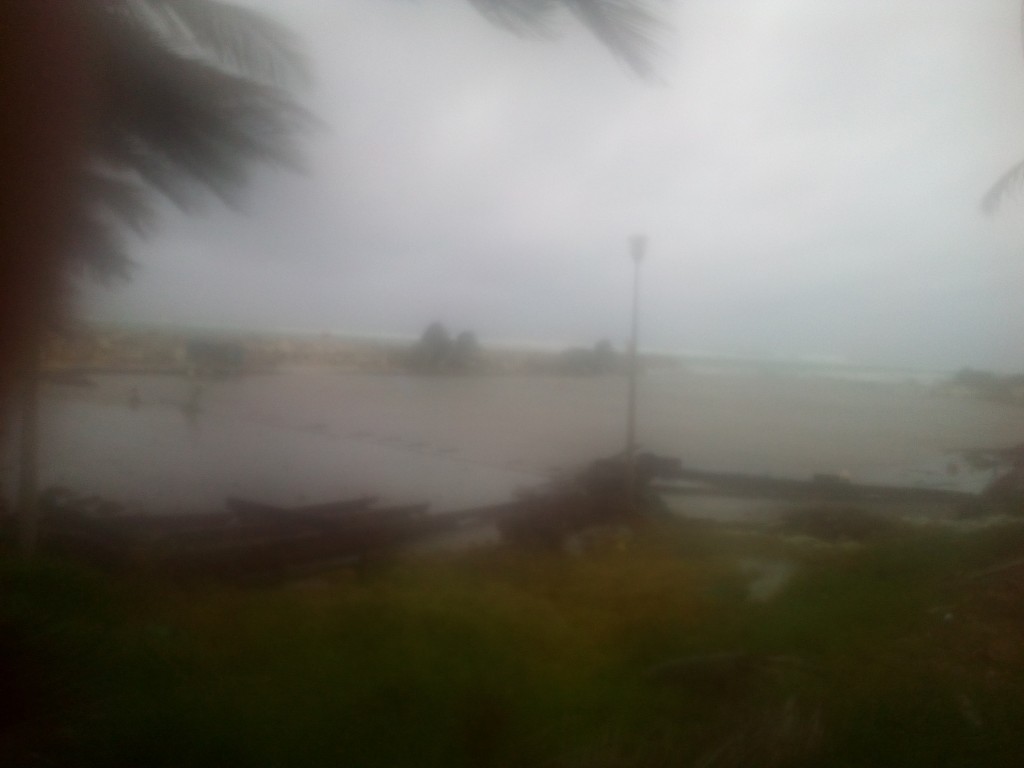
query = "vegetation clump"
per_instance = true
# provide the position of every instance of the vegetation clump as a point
(989, 386)
(438, 352)
(902, 652)
(582, 361)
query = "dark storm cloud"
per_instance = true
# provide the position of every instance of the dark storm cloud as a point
(808, 174)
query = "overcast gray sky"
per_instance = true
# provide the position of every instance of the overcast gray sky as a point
(808, 173)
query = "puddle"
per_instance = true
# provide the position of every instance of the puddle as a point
(767, 577)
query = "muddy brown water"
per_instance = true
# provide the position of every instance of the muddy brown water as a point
(315, 435)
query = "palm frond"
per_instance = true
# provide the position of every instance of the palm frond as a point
(120, 198)
(1010, 182)
(628, 28)
(155, 171)
(1007, 185)
(523, 17)
(99, 250)
(246, 40)
(167, 115)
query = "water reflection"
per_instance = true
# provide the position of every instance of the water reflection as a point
(192, 409)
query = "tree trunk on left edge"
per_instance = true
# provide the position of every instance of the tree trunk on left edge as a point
(27, 500)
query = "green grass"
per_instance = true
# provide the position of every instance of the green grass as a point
(499, 658)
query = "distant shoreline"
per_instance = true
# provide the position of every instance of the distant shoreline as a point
(105, 348)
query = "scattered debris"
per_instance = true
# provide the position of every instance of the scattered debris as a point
(607, 492)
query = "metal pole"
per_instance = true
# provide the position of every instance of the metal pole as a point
(638, 245)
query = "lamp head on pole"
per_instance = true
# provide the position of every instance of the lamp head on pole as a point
(637, 247)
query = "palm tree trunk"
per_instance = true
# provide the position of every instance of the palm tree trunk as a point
(27, 503)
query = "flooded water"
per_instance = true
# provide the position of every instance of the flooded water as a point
(315, 435)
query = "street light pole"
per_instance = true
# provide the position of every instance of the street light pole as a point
(637, 247)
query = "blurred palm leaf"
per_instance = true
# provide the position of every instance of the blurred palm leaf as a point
(628, 28)
(195, 92)
(118, 198)
(192, 94)
(1007, 185)
(243, 39)
(524, 17)
(1010, 182)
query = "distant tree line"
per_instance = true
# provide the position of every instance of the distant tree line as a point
(991, 386)
(588, 361)
(207, 356)
(438, 351)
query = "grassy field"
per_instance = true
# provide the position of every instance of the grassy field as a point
(656, 649)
